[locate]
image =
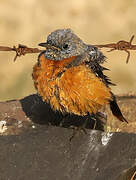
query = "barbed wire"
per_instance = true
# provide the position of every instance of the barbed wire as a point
(20, 50)
(120, 45)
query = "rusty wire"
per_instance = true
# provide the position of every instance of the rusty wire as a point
(120, 45)
(20, 50)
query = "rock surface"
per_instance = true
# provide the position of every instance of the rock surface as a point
(34, 146)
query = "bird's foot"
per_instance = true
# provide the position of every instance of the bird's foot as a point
(77, 130)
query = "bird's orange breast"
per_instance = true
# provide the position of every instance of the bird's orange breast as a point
(77, 90)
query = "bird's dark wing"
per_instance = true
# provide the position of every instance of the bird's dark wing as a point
(116, 110)
(94, 64)
(96, 58)
(98, 70)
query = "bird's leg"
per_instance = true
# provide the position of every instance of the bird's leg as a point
(79, 129)
(102, 117)
(95, 123)
(95, 120)
(63, 120)
(76, 130)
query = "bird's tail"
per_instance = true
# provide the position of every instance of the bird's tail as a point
(116, 110)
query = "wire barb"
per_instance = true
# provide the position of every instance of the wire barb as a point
(120, 45)
(20, 50)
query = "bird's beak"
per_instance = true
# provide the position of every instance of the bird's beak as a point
(43, 44)
(48, 46)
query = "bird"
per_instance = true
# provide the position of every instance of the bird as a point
(69, 76)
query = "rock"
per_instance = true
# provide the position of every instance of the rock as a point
(35, 147)
(47, 153)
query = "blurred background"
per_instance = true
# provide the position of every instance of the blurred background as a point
(29, 22)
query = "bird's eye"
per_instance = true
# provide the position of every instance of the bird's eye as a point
(49, 41)
(65, 46)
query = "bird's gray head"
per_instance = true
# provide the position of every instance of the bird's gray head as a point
(63, 43)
